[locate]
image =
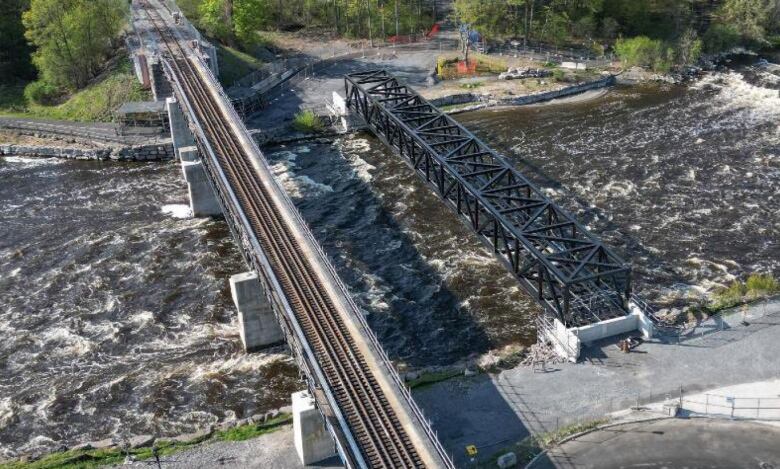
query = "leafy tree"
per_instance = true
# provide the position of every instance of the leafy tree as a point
(749, 17)
(73, 37)
(15, 52)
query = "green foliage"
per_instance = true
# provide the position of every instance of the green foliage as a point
(721, 37)
(249, 431)
(41, 92)
(559, 75)
(426, 379)
(96, 102)
(234, 64)
(760, 285)
(15, 62)
(308, 121)
(74, 38)
(95, 458)
(756, 286)
(749, 17)
(641, 51)
(471, 85)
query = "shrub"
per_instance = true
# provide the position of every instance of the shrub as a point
(761, 284)
(720, 37)
(41, 92)
(559, 74)
(644, 52)
(308, 121)
(729, 296)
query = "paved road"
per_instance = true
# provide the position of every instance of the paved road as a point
(493, 411)
(671, 443)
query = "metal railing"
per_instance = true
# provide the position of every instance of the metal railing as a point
(356, 311)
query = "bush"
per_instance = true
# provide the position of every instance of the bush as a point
(41, 92)
(758, 285)
(720, 37)
(729, 296)
(559, 74)
(308, 121)
(644, 52)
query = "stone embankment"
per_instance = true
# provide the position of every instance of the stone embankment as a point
(151, 152)
(473, 101)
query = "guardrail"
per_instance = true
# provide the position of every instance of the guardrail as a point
(326, 262)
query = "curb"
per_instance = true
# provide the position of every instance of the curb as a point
(595, 429)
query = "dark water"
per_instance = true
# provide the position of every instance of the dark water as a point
(116, 316)
(683, 180)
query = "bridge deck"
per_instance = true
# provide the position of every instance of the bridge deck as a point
(367, 408)
(569, 270)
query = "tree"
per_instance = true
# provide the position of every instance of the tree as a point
(750, 17)
(73, 37)
(15, 52)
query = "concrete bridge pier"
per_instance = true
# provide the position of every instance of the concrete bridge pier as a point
(203, 201)
(313, 442)
(180, 131)
(256, 319)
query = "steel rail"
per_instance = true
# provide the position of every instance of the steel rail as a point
(383, 440)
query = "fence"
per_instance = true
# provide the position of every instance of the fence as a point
(759, 408)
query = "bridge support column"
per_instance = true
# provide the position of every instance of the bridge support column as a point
(203, 201)
(313, 442)
(180, 132)
(257, 323)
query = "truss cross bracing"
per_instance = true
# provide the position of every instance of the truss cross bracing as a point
(567, 269)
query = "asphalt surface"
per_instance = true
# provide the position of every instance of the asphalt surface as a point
(671, 443)
(492, 411)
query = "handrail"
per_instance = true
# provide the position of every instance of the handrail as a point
(325, 261)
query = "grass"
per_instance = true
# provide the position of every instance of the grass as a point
(427, 379)
(447, 65)
(471, 85)
(89, 459)
(757, 286)
(96, 102)
(529, 447)
(234, 64)
(308, 121)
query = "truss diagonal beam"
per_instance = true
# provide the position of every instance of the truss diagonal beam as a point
(555, 258)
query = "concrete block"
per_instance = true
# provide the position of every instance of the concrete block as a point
(257, 323)
(312, 440)
(507, 460)
(188, 153)
(203, 201)
(180, 132)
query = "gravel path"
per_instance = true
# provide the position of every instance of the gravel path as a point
(270, 451)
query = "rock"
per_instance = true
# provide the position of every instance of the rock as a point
(141, 441)
(468, 372)
(257, 418)
(190, 437)
(82, 447)
(411, 375)
(102, 444)
(507, 460)
(286, 409)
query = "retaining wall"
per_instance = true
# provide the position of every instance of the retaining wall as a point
(155, 152)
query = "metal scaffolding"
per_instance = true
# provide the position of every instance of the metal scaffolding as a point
(567, 269)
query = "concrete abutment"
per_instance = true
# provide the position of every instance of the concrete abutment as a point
(257, 322)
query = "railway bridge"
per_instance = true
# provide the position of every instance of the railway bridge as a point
(364, 412)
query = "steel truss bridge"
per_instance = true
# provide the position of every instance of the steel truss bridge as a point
(567, 269)
(366, 406)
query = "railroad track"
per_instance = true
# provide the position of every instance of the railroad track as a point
(373, 423)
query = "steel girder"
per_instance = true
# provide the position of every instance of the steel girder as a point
(566, 268)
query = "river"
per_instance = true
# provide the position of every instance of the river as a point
(117, 317)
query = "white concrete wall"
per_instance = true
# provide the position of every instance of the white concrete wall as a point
(203, 201)
(604, 329)
(180, 132)
(312, 440)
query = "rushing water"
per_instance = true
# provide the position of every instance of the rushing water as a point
(116, 315)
